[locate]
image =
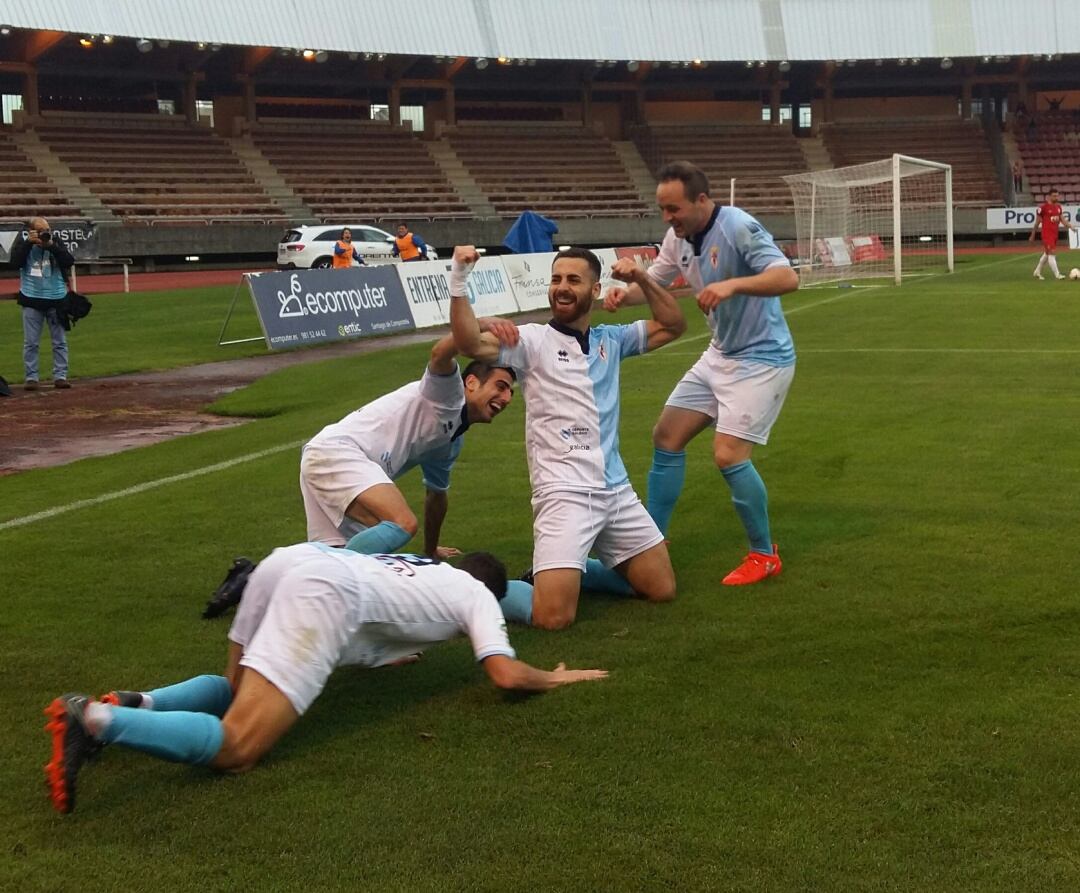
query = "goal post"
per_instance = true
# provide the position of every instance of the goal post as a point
(884, 219)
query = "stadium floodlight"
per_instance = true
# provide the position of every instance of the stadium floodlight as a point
(749, 64)
(143, 45)
(368, 57)
(946, 63)
(200, 45)
(901, 62)
(163, 44)
(321, 56)
(87, 42)
(380, 57)
(482, 63)
(784, 66)
(353, 56)
(884, 219)
(5, 30)
(107, 38)
(308, 54)
(633, 66)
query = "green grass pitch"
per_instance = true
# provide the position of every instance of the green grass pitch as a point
(896, 711)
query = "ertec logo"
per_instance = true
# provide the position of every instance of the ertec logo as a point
(312, 303)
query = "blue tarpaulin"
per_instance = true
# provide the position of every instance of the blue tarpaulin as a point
(531, 232)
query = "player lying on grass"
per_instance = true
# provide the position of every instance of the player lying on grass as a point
(347, 470)
(582, 497)
(308, 609)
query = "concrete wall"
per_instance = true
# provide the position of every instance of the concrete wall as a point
(703, 112)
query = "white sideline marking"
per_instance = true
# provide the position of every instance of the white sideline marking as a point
(250, 457)
(148, 485)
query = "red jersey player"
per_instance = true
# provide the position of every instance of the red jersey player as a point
(1049, 218)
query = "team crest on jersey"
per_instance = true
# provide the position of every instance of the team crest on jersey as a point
(714, 257)
(602, 352)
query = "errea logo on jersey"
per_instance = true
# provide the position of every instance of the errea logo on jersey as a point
(562, 356)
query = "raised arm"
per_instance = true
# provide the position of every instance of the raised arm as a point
(467, 333)
(668, 322)
(516, 675)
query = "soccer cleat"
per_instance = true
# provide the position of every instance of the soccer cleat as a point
(1038, 276)
(122, 698)
(755, 568)
(231, 589)
(1058, 276)
(72, 745)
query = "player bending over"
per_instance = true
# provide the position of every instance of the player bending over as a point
(308, 609)
(739, 384)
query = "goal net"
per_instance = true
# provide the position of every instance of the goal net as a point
(890, 218)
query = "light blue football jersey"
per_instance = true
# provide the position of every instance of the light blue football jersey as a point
(733, 245)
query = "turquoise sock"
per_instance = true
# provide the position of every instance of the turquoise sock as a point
(203, 694)
(665, 484)
(180, 737)
(384, 538)
(751, 503)
(598, 578)
(517, 603)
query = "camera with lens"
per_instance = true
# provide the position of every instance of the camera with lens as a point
(45, 236)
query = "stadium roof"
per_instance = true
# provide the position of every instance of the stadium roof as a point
(647, 30)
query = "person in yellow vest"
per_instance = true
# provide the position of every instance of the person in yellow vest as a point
(345, 252)
(409, 246)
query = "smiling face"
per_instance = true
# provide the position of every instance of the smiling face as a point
(486, 398)
(402, 231)
(687, 217)
(346, 235)
(573, 289)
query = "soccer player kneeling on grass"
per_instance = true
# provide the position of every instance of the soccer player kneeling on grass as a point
(582, 498)
(308, 609)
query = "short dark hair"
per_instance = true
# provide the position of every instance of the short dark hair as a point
(404, 224)
(1051, 189)
(483, 370)
(691, 176)
(581, 254)
(486, 568)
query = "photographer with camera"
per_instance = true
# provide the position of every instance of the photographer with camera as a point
(44, 265)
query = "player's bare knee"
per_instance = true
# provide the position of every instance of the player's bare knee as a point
(661, 590)
(663, 439)
(552, 617)
(406, 520)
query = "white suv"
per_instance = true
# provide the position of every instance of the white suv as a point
(305, 247)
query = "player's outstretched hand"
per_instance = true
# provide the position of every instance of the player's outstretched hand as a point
(565, 676)
(713, 294)
(443, 552)
(503, 329)
(613, 298)
(466, 255)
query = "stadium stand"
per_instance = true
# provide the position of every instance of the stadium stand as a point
(757, 155)
(348, 172)
(155, 168)
(963, 144)
(24, 190)
(1048, 149)
(556, 170)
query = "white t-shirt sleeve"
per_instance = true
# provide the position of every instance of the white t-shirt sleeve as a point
(485, 626)
(665, 269)
(519, 357)
(444, 391)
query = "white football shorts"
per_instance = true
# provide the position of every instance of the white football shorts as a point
(567, 524)
(330, 479)
(743, 397)
(296, 621)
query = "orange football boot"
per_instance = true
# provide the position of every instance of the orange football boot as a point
(755, 568)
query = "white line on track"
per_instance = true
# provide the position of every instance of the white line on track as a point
(148, 485)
